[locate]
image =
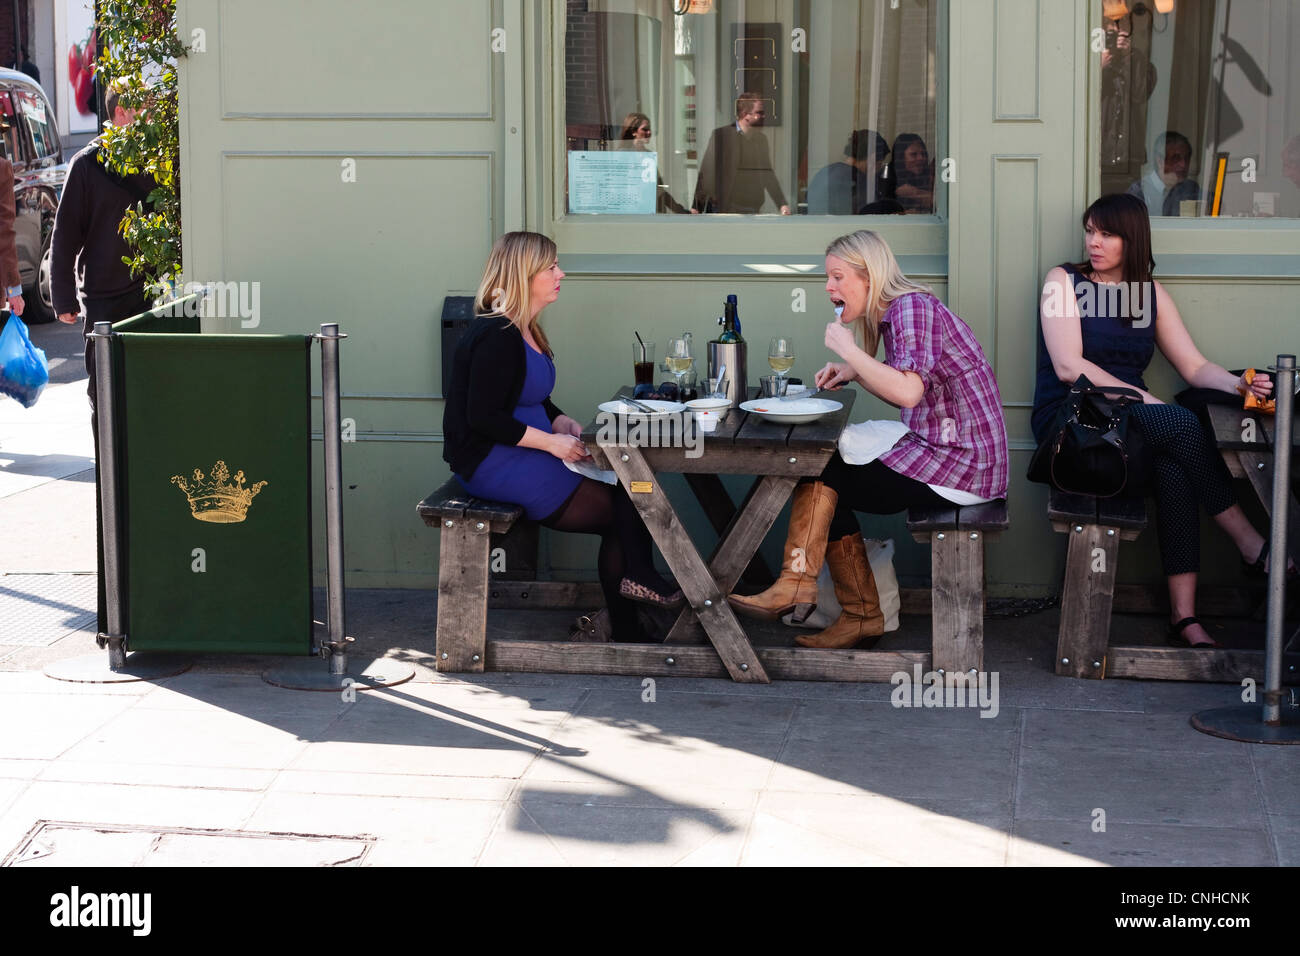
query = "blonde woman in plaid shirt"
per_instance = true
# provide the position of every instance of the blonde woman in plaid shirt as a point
(953, 449)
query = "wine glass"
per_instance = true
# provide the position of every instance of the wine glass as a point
(780, 356)
(679, 358)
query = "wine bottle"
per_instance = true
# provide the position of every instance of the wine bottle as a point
(730, 323)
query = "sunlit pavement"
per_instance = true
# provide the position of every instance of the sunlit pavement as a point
(203, 768)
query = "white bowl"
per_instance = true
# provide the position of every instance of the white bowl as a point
(708, 404)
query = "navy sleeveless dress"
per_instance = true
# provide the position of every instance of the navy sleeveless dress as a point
(1122, 348)
(530, 477)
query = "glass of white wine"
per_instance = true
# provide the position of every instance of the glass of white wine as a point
(780, 355)
(679, 359)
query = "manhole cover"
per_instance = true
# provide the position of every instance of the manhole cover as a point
(51, 843)
(38, 609)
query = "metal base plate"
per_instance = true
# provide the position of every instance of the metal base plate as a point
(313, 673)
(142, 665)
(1244, 722)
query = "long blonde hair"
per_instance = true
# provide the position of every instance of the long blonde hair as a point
(871, 256)
(513, 263)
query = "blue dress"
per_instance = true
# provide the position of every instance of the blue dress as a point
(530, 477)
(1122, 348)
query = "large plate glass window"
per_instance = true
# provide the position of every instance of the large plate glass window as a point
(1200, 108)
(781, 107)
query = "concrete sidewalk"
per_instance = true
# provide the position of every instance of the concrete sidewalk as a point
(216, 767)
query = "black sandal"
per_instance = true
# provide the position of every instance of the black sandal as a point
(1177, 639)
(1259, 567)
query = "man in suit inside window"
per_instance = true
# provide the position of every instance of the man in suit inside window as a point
(736, 172)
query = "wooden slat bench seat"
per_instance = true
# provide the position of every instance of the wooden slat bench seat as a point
(1095, 527)
(466, 524)
(956, 537)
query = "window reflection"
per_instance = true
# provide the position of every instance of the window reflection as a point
(1202, 85)
(787, 107)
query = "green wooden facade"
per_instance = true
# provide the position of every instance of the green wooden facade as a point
(358, 162)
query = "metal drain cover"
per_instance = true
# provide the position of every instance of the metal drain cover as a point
(52, 843)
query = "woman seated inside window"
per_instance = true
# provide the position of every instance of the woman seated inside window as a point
(950, 447)
(1103, 318)
(506, 441)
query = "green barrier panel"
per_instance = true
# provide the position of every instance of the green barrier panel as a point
(215, 438)
(179, 315)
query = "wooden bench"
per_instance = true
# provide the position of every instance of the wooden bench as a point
(466, 524)
(1095, 527)
(956, 537)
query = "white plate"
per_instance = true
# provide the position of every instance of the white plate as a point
(716, 405)
(661, 408)
(791, 411)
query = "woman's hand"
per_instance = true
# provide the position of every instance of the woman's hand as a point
(564, 425)
(839, 338)
(1149, 399)
(834, 376)
(1262, 386)
(567, 448)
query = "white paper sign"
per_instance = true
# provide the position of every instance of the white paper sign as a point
(612, 182)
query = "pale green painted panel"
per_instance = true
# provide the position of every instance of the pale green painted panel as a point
(396, 60)
(407, 231)
(1016, 59)
(386, 544)
(1015, 223)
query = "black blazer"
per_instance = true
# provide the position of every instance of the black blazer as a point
(487, 377)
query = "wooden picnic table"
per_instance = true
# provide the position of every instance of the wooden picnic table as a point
(1246, 440)
(743, 444)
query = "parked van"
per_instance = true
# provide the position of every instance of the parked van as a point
(29, 137)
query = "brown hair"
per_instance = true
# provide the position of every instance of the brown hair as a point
(743, 102)
(632, 124)
(513, 263)
(1126, 216)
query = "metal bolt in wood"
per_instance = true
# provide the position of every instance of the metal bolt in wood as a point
(479, 526)
(939, 536)
(670, 660)
(447, 524)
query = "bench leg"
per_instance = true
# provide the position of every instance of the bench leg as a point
(1090, 566)
(957, 595)
(461, 643)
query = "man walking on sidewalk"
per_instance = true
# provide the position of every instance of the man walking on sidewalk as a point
(87, 253)
(88, 249)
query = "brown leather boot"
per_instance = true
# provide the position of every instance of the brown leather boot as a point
(805, 548)
(855, 586)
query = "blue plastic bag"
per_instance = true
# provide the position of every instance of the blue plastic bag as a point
(23, 369)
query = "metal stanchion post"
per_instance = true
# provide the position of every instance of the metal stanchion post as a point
(1268, 722)
(91, 668)
(301, 675)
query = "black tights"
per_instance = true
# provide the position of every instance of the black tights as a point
(625, 547)
(873, 488)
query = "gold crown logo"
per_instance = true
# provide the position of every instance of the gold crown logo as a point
(218, 499)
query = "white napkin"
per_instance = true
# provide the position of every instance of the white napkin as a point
(863, 443)
(589, 470)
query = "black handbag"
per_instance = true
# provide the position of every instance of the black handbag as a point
(1094, 447)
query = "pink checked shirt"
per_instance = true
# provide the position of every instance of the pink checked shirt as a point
(957, 437)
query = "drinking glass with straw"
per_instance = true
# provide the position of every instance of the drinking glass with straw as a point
(643, 361)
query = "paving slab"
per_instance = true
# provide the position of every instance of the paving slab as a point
(1062, 731)
(792, 829)
(452, 832)
(197, 738)
(737, 760)
(46, 726)
(903, 765)
(1151, 787)
(548, 834)
(360, 784)
(384, 735)
(690, 714)
(1285, 828)
(70, 770)
(667, 793)
(1277, 768)
(1040, 843)
(114, 804)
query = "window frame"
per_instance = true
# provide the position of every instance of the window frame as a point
(685, 244)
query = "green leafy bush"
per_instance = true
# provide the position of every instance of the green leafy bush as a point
(138, 50)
